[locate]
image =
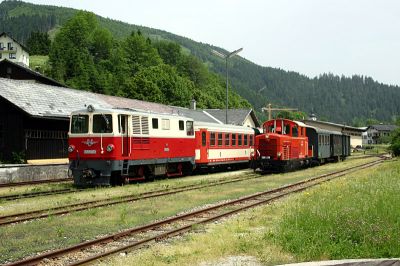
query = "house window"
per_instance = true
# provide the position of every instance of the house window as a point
(2, 46)
(12, 56)
(181, 125)
(212, 139)
(9, 46)
(154, 123)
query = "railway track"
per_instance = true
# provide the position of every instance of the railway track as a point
(26, 183)
(56, 211)
(138, 236)
(39, 194)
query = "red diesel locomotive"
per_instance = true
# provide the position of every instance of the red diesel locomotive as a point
(115, 146)
(282, 147)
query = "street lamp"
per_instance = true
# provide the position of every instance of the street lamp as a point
(226, 57)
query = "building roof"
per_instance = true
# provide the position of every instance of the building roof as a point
(8, 35)
(47, 101)
(33, 74)
(342, 126)
(235, 116)
(383, 127)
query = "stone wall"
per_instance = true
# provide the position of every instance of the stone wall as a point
(21, 173)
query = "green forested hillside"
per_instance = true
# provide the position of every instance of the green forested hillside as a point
(339, 99)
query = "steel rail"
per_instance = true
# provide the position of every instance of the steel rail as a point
(292, 188)
(26, 183)
(61, 210)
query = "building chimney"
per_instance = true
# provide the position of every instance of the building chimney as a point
(193, 104)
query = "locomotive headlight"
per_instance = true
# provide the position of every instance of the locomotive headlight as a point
(278, 154)
(71, 148)
(110, 148)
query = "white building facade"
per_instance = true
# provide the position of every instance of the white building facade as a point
(13, 51)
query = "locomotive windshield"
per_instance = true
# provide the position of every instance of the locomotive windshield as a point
(102, 123)
(79, 124)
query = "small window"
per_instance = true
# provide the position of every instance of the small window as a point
(226, 139)
(189, 128)
(203, 139)
(219, 139)
(181, 125)
(165, 124)
(102, 123)
(233, 139)
(240, 137)
(154, 123)
(271, 129)
(286, 130)
(251, 140)
(295, 131)
(12, 56)
(122, 123)
(79, 124)
(212, 139)
(246, 139)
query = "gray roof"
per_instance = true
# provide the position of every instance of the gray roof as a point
(40, 100)
(235, 116)
(318, 122)
(383, 127)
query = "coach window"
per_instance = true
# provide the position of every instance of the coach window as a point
(203, 138)
(102, 123)
(246, 139)
(295, 131)
(240, 139)
(189, 128)
(212, 139)
(219, 139)
(79, 124)
(226, 139)
(181, 125)
(233, 139)
(154, 123)
(319, 140)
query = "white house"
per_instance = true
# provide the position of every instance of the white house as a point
(12, 50)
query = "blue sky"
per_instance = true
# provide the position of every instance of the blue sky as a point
(308, 36)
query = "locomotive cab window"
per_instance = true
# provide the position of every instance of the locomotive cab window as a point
(295, 131)
(286, 129)
(122, 123)
(79, 124)
(102, 123)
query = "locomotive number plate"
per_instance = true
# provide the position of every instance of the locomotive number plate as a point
(89, 151)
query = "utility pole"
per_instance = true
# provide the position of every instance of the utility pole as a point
(270, 109)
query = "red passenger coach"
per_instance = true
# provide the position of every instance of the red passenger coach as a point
(221, 145)
(282, 146)
(117, 145)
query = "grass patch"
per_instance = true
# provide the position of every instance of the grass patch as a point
(352, 218)
(280, 233)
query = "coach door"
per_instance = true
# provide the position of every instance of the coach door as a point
(124, 130)
(204, 146)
